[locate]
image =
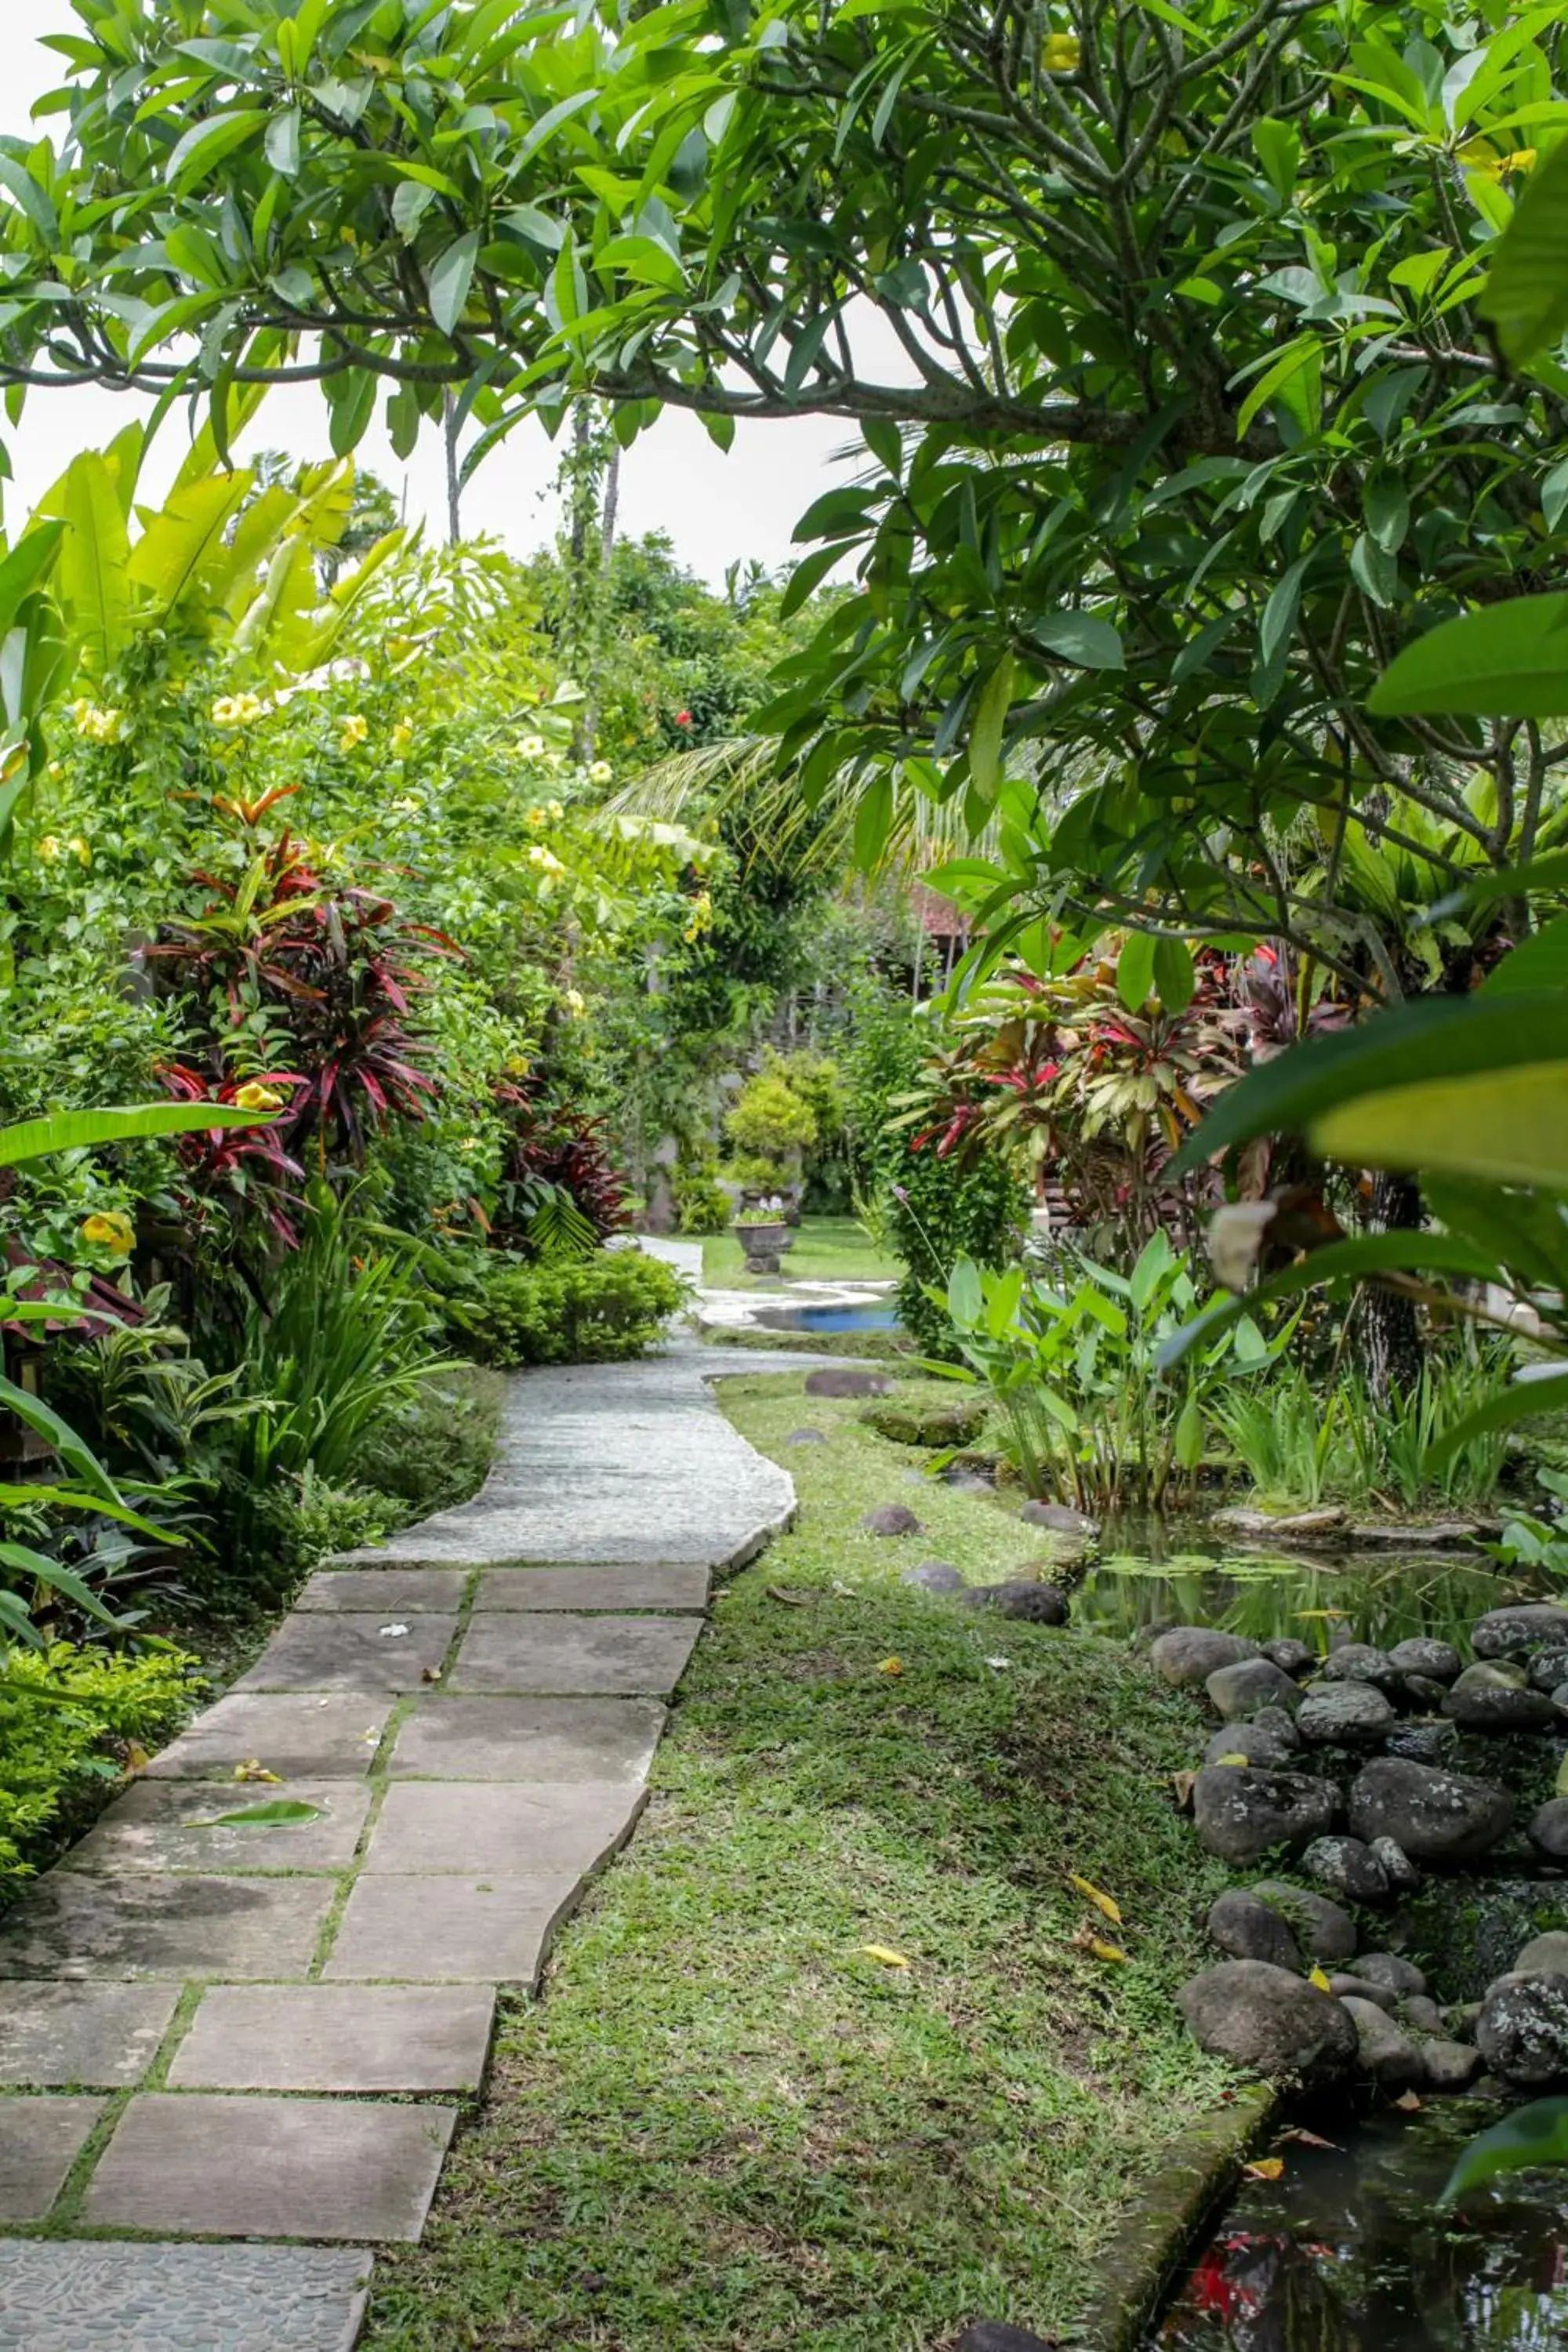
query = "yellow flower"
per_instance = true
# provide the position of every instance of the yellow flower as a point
(601, 772)
(79, 709)
(225, 711)
(1521, 160)
(407, 805)
(48, 849)
(1062, 53)
(79, 849)
(535, 818)
(544, 860)
(530, 746)
(553, 810)
(355, 729)
(98, 726)
(109, 1230)
(256, 1097)
(57, 769)
(575, 1002)
(403, 735)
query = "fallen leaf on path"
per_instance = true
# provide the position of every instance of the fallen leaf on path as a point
(391, 1632)
(251, 1770)
(1183, 1784)
(1092, 1894)
(430, 1675)
(1310, 2139)
(136, 1756)
(278, 1814)
(886, 1954)
(1316, 1976)
(1409, 2101)
(1104, 1952)
(891, 1666)
(1265, 2167)
(790, 1600)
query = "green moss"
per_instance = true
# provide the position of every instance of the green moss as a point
(726, 2123)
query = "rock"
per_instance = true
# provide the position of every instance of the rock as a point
(933, 1575)
(1436, 1817)
(891, 1520)
(1240, 1690)
(1549, 1670)
(952, 1423)
(1291, 1656)
(1397, 1867)
(1268, 2020)
(1422, 1693)
(1358, 1662)
(1497, 1696)
(1059, 1516)
(1311, 1531)
(1386, 2054)
(1559, 1699)
(1387, 1969)
(847, 1380)
(805, 1437)
(1035, 1604)
(1344, 1714)
(1520, 1630)
(1544, 1956)
(1241, 1813)
(1348, 1867)
(1439, 1662)
(1459, 2017)
(1522, 2029)
(1347, 1986)
(1247, 1929)
(1281, 1722)
(1549, 1828)
(994, 2335)
(1450, 2066)
(1419, 2010)
(1188, 1654)
(1438, 1534)
(1423, 1743)
(1324, 1931)
(1254, 1743)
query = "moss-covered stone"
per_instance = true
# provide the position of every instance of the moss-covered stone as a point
(933, 1423)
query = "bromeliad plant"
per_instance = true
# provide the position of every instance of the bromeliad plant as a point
(1074, 1371)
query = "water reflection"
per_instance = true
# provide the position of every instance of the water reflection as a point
(1377, 1599)
(1346, 2253)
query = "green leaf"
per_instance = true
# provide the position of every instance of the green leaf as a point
(1374, 569)
(1348, 1261)
(873, 822)
(1540, 961)
(1136, 970)
(807, 576)
(93, 573)
(1507, 661)
(1526, 292)
(1523, 1400)
(450, 276)
(279, 1813)
(990, 718)
(188, 536)
(79, 1131)
(208, 141)
(1508, 1126)
(283, 142)
(1175, 975)
(1081, 637)
(1189, 1435)
(1437, 1037)
(19, 184)
(965, 1298)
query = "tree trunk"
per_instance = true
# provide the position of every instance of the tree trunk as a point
(1390, 1347)
(454, 500)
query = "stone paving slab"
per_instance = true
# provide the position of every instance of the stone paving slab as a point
(615, 1656)
(437, 1827)
(40, 2139)
(72, 1924)
(452, 1930)
(162, 1825)
(258, 2168)
(336, 1651)
(93, 2297)
(104, 2036)
(386, 1592)
(580, 1740)
(294, 1734)
(666, 1587)
(336, 2038)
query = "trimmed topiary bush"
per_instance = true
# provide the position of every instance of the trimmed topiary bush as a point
(594, 1310)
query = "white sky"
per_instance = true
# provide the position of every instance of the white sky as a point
(716, 507)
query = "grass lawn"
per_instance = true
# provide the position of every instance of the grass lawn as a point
(729, 2127)
(826, 1249)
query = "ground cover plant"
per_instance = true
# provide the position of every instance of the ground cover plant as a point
(728, 2120)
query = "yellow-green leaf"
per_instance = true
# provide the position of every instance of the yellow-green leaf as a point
(1510, 1126)
(1092, 1894)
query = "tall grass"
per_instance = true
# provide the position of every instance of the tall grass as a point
(1302, 1450)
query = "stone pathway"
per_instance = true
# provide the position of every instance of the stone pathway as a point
(219, 2029)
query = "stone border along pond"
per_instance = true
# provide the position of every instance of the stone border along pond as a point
(1403, 1802)
(249, 2004)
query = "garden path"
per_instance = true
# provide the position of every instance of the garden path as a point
(218, 2031)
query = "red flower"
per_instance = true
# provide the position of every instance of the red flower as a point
(683, 718)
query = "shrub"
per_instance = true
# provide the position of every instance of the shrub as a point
(702, 1203)
(64, 1712)
(300, 1522)
(599, 1310)
(436, 1451)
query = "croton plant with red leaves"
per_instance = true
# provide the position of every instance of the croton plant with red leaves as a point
(551, 1146)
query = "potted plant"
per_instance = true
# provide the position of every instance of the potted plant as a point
(765, 1235)
(771, 1130)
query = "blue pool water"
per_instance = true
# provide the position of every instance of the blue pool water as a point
(830, 1318)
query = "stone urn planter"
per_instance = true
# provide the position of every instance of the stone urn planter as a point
(764, 1241)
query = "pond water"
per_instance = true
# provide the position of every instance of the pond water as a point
(1347, 2251)
(871, 1316)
